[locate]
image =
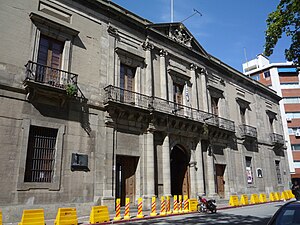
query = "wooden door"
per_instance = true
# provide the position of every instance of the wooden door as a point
(50, 55)
(129, 176)
(125, 178)
(220, 169)
(186, 183)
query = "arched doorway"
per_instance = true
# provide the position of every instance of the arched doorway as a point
(180, 179)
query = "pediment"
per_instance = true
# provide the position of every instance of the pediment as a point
(180, 34)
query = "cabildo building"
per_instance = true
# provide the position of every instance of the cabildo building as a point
(111, 105)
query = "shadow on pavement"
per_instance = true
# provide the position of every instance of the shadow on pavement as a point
(208, 219)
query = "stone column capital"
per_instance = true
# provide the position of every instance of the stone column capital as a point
(203, 71)
(151, 128)
(113, 31)
(163, 53)
(147, 46)
(193, 67)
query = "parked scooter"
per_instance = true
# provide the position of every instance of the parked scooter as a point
(205, 205)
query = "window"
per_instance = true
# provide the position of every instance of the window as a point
(178, 90)
(40, 154)
(289, 85)
(271, 121)
(214, 105)
(127, 75)
(40, 137)
(292, 115)
(50, 51)
(292, 100)
(278, 173)
(255, 77)
(249, 173)
(266, 74)
(297, 164)
(49, 60)
(243, 113)
(296, 147)
(127, 83)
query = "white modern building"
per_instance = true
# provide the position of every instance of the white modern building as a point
(284, 79)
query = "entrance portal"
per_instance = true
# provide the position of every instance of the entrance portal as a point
(180, 179)
(125, 178)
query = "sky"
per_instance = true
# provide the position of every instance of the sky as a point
(230, 30)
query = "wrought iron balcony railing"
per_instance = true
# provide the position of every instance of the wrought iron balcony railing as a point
(119, 95)
(50, 76)
(248, 131)
(277, 139)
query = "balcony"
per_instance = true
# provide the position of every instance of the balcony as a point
(277, 139)
(247, 131)
(47, 80)
(153, 104)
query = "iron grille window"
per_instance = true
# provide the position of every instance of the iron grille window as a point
(278, 173)
(40, 154)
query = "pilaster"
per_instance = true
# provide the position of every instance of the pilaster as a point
(163, 73)
(166, 170)
(148, 60)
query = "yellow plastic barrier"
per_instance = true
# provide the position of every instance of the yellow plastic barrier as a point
(284, 196)
(244, 200)
(291, 195)
(277, 196)
(127, 209)
(163, 206)
(262, 198)
(66, 216)
(140, 208)
(185, 203)
(153, 206)
(168, 205)
(33, 217)
(0, 217)
(180, 204)
(99, 214)
(234, 200)
(254, 199)
(175, 205)
(272, 197)
(193, 203)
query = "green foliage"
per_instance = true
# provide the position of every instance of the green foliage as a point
(285, 19)
(71, 89)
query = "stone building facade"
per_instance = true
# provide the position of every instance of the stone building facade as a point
(111, 105)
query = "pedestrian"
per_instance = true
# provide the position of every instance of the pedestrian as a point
(296, 190)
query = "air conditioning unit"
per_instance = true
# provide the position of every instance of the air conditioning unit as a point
(297, 134)
(288, 119)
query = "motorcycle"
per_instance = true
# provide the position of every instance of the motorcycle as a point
(205, 205)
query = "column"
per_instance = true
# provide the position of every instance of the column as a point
(149, 81)
(199, 171)
(211, 173)
(149, 164)
(112, 65)
(104, 165)
(166, 167)
(204, 102)
(163, 73)
(194, 96)
(192, 167)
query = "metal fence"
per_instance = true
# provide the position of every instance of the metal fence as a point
(51, 76)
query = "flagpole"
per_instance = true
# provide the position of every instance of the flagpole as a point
(172, 11)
